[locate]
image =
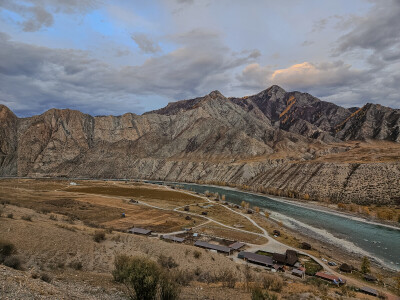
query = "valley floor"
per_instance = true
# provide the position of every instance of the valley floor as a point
(52, 224)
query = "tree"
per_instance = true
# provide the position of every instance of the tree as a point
(365, 265)
(223, 197)
(144, 279)
(256, 209)
(266, 214)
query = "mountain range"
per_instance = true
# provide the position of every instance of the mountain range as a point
(286, 143)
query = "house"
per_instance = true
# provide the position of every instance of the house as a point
(141, 231)
(289, 258)
(298, 273)
(236, 246)
(305, 246)
(328, 277)
(219, 248)
(346, 268)
(278, 267)
(173, 238)
(369, 291)
(369, 277)
(258, 259)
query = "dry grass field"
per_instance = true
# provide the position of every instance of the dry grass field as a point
(216, 230)
(225, 216)
(53, 226)
(101, 203)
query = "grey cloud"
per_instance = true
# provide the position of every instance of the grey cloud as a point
(33, 79)
(332, 81)
(145, 43)
(378, 31)
(319, 25)
(38, 14)
(307, 43)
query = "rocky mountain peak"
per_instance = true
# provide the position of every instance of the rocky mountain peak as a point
(216, 94)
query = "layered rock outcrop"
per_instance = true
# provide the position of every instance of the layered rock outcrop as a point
(277, 140)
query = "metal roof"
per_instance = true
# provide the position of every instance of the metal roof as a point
(139, 230)
(256, 258)
(212, 246)
(173, 238)
(368, 290)
(237, 245)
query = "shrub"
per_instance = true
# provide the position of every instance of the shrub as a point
(258, 294)
(13, 262)
(45, 277)
(228, 278)
(183, 277)
(44, 211)
(167, 262)
(6, 249)
(10, 216)
(53, 218)
(99, 236)
(27, 218)
(144, 279)
(196, 254)
(272, 283)
(77, 265)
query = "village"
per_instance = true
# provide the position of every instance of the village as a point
(298, 264)
(184, 220)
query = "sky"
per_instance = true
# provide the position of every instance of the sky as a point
(112, 57)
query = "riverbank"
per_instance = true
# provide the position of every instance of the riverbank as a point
(352, 235)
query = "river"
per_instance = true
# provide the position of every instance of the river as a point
(379, 242)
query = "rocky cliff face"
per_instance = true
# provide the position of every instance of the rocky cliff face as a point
(276, 140)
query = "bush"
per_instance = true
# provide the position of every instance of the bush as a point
(144, 279)
(167, 262)
(197, 254)
(53, 218)
(10, 216)
(258, 294)
(99, 236)
(13, 262)
(45, 277)
(183, 277)
(27, 218)
(272, 283)
(77, 265)
(228, 278)
(6, 249)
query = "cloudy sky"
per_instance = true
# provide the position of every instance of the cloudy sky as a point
(112, 57)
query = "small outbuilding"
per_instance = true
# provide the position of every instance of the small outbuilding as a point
(173, 238)
(370, 277)
(305, 246)
(346, 268)
(369, 291)
(298, 273)
(218, 248)
(236, 246)
(140, 231)
(331, 278)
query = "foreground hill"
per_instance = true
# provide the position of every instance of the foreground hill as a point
(285, 143)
